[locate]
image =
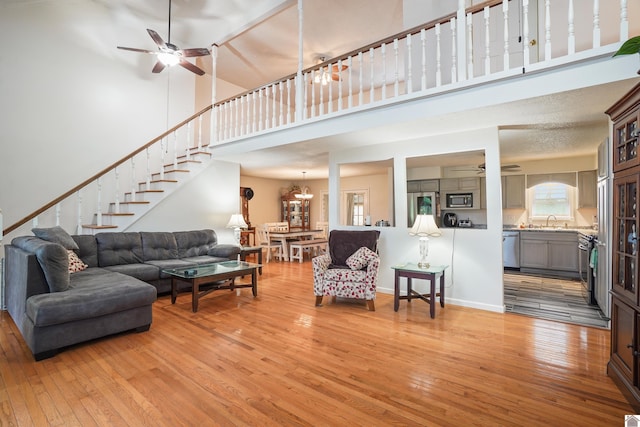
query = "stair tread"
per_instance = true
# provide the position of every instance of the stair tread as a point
(118, 214)
(98, 227)
(146, 191)
(137, 202)
(153, 181)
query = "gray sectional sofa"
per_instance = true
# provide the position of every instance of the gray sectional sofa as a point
(119, 277)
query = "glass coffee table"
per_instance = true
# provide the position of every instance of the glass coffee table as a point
(212, 277)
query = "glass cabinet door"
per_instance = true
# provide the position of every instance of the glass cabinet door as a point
(625, 140)
(625, 242)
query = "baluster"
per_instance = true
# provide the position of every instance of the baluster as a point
(260, 110)
(470, 72)
(383, 53)
(340, 80)
(248, 115)
(525, 30)
(409, 80)
(329, 76)
(242, 118)
(99, 203)
(175, 149)
(148, 174)
(79, 213)
(274, 106)
(360, 77)
(454, 55)
(133, 179)
(289, 103)
(596, 23)
(254, 125)
(34, 222)
(423, 77)
(438, 64)
(200, 131)
(266, 108)
(164, 143)
(396, 76)
(624, 22)
(313, 93)
(571, 30)
(188, 151)
(116, 172)
(350, 82)
(57, 213)
(372, 76)
(487, 41)
(237, 111)
(505, 17)
(321, 92)
(305, 96)
(281, 112)
(547, 30)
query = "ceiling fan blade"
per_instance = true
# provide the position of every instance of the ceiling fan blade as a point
(335, 77)
(189, 66)
(337, 69)
(156, 38)
(198, 51)
(511, 167)
(134, 49)
(158, 67)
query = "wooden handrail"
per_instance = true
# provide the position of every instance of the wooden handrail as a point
(101, 173)
(386, 40)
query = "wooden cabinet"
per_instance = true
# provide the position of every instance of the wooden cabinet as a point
(296, 212)
(513, 192)
(588, 189)
(455, 184)
(549, 250)
(624, 363)
(423, 186)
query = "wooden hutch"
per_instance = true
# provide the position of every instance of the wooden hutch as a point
(295, 211)
(624, 363)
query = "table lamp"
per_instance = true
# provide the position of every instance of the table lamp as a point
(424, 226)
(237, 222)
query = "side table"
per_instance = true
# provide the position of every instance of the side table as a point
(412, 271)
(246, 250)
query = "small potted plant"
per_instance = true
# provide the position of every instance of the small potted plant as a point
(630, 47)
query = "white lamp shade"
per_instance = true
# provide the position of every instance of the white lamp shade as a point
(237, 221)
(425, 225)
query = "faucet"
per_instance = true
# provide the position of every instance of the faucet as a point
(554, 218)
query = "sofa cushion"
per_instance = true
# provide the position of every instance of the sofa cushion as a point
(87, 248)
(195, 243)
(164, 264)
(52, 257)
(204, 259)
(75, 263)
(344, 243)
(360, 258)
(141, 271)
(55, 235)
(158, 245)
(93, 292)
(119, 248)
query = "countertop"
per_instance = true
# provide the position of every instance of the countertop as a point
(584, 230)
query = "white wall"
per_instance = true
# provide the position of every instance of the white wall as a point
(474, 278)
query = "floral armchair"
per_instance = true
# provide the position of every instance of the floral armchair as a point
(350, 269)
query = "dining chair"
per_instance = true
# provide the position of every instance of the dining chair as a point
(265, 242)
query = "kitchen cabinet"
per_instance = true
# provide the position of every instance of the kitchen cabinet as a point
(624, 361)
(513, 192)
(588, 189)
(455, 184)
(423, 186)
(296, 212)
(549, 250)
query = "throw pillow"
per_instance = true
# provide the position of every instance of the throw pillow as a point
(56, 235)
(360, 258)
(75, 263)
(54, 261)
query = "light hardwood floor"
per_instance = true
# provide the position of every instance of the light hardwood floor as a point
(277, 360)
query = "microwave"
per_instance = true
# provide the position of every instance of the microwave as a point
(459, 200)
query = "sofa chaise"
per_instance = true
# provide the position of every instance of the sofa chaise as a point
(62, 290)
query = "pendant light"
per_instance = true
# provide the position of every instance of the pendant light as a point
(305, 190)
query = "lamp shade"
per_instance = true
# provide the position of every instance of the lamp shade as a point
(237, 221)
(425, 225)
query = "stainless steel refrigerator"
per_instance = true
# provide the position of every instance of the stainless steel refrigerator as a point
(603, 244)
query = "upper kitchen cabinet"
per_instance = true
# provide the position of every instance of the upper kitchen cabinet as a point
(513, 192)
(456, 184)
(588, 189)
(625, 114)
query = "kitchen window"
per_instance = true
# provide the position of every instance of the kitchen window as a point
(551, 198)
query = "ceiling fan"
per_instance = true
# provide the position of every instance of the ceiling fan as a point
(169, 54)
(481, 168)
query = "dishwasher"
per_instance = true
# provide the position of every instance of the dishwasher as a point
(511, 249)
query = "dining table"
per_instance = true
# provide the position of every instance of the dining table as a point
(283, 237)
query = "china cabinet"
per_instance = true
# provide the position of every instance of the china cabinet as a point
(296, 212)
(624, 362)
